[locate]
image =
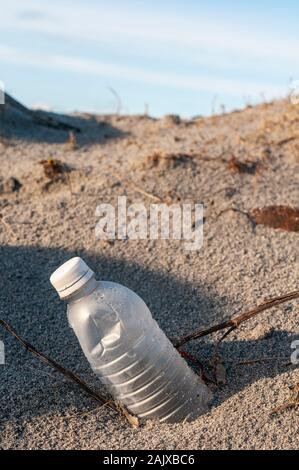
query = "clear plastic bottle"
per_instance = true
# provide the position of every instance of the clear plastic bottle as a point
(126, 348)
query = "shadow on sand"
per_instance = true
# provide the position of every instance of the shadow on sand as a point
(91, 129)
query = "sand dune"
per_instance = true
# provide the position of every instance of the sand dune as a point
(242, 160)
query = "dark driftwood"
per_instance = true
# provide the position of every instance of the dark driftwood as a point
(235, 321)
(50, 362)
(39, 117)
(117, 407)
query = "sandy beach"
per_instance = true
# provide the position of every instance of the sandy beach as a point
(46, 219)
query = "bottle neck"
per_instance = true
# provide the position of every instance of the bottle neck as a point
(83, 291)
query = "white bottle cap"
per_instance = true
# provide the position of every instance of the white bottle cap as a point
(70, 276)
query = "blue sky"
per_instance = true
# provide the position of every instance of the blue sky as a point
(186, 57)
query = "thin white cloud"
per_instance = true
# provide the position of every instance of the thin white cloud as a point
(135, 74)
(106, 23)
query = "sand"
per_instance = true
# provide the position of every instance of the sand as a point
(44, 223)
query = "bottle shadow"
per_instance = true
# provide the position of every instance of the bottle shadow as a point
(29, 303)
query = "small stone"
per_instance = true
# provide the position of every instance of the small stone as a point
(230, 192)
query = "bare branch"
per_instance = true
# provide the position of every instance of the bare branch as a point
(236, 320)
(133, 420)
(50, 362)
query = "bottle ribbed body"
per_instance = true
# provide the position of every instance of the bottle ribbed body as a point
(132, 356)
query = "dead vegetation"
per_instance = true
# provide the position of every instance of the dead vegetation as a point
(162, 161)
(292, 403)
(56, 172)
(237, 320)
(54, 169)
(55, 365)
(277, 217)
(247, 166)
(71, 143)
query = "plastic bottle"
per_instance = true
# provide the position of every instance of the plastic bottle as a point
(126, 348)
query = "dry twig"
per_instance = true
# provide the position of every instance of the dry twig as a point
(70, 375)
(247, 362)
(237, 320)
(145, 193)
(136, 188)
(286, 140)
(293, 403)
